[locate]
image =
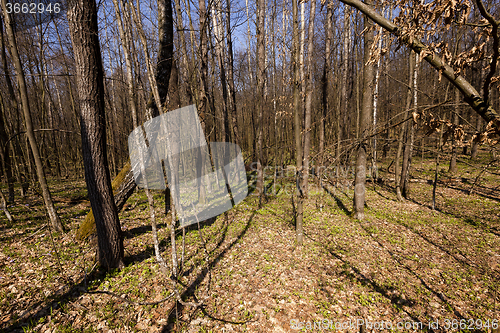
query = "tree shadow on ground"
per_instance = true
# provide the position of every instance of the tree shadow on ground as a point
(66, 294)
(402, 304)
(177, 309)
(338, 201)
(148, 252)
(484, 224)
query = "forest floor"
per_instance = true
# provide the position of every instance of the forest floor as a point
(406, 265)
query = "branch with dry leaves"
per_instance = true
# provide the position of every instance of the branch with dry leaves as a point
(408, 38)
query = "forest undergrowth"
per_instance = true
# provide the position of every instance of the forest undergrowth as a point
(406, 263)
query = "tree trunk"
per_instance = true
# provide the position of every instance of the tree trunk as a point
(49, 205)
(13, 104)
(346, 79)
(184, 69)
(364, 122)
(297, 128)
(261, 77)
(475, 144)
(325, 82)
(166, 50)
(308, 99)
(453, 161)
(436, 171)
(230, 77)
(410, 133)
(82, 19)
(5, 151)
(404, 134)
(123, 186)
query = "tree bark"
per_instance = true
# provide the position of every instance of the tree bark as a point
(82, 19)
(364, 122)
(49, 205)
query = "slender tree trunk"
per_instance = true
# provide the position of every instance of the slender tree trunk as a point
(261, 77)
(230, 77)
(13, 104)
(49, 205)
(410, 134)
(165, 52)
(375, 93)
(475, 144)
(184, 70)
(326, 79)
(220, 51)
(5, 151)
(346, 78)
(297, 127)
(436, 171)
(82, 18)
(203, 100)
(308, 98)
(453, 161)
(365, 122)
(404, 132)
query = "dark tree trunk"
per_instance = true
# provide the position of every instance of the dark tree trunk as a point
(165, 52)
(82, 18)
